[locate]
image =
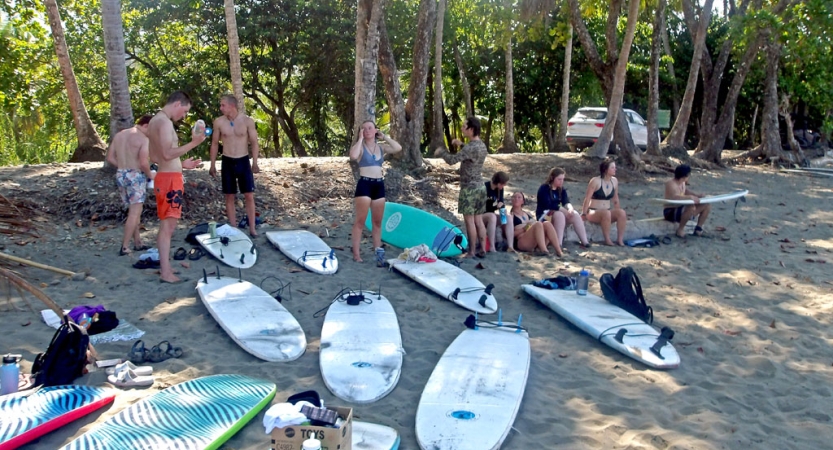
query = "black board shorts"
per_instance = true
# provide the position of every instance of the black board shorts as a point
(237, 173)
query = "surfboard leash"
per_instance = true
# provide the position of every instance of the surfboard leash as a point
(351, 297)
(278, 293)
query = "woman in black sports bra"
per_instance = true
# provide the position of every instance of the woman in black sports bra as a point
(601, 203)
(531, 234)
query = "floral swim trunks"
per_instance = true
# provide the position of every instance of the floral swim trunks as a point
(132, 185)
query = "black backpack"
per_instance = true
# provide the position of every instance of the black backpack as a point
(65, 358)
(625, 291)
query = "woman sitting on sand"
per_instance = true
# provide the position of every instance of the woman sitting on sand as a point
(601, 202)
(554, 203)
(494, 201)
(370, 190)
(531, 234)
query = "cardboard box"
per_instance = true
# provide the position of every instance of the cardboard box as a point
(293, 437)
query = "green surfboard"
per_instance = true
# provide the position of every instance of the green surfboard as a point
(405, 226)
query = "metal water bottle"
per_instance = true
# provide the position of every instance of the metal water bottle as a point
(503, 215)
(9, 374)
(583, 281)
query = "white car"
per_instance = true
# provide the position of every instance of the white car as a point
(584, 128)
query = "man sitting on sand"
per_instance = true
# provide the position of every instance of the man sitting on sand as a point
(169, 186)
(676, 189)
(238, 132)
(129, 153)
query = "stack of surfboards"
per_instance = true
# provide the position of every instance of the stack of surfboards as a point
(253, 318)
(451, 283)
(475, 391)
(609, 324)
(306, 249)
(361, 348)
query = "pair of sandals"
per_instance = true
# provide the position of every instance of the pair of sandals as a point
(158, 353)
(194, 254)
(128, 374)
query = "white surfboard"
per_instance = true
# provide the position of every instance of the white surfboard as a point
(306, 249)
(370, 436)
(811, 172)
(475, 391)
(230, 246)
(445, 279)
(253, 318)
(704, 200)
(604, 321)
(361, 348)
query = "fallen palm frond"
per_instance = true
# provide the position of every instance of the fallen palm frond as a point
(15, 217)
(19, 283)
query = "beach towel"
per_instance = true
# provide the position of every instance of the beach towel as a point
(419, 253)
(559, 282)
(126, 331)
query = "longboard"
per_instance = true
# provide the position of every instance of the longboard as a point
(361, 348)
(704, 200)
(815, 173)
(370, 436)
(28, 415)
(605, 321)
(196, 414)
(306, 249)
(253, 318)
(236, 249)
(474, 393)
(405, 226)
(451, 283)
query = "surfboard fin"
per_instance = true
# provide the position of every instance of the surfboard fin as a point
(665, 335)
(489, 289)
(242, 258)
(218, 272)
(204, 276)
(620, 335)
(482, 300)
(455, 294)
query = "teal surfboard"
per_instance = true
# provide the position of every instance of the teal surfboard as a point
(197, 414)
(405, 226)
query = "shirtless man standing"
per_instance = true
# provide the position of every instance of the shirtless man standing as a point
(676, 189)
(169, 184)
(238, 132)
(129, 153)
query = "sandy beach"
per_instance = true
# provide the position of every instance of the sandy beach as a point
(751, 304)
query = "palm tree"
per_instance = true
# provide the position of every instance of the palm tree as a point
(121, 112)
(90, 146)
(234, 54)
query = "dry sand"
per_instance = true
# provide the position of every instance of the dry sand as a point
(751, 307)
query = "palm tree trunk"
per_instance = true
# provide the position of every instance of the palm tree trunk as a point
(464, 82)
(234, 54)
(90, 146)
(121, 111)
(653, 81)
(437, 128)
(561, 143)
(509, 145)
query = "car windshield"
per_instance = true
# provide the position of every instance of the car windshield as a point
(593, 114)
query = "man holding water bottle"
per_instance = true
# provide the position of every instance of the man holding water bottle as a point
(495, 216)
(238, 133)
(128, 152)
(168, 183)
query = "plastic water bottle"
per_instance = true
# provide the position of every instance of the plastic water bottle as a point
(311, 444)
(503, 215)
(380, 257)
(199, 127)
(153, 168)
(583, 281)
(85, 321)
(9, 374)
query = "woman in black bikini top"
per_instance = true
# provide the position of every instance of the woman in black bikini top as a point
(601, 203)
(531, 234)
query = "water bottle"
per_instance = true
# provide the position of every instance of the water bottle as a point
(503, 215)
(583, 281)
(380, 257)
(9, 374)
(153, 168)
(85, 321)
(311, 444)
(199, 127)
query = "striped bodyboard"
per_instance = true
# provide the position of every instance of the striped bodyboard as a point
(29, 415)
(196, 414)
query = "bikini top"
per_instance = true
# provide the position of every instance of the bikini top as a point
(368, 160)
(600, 193)
(518, 221)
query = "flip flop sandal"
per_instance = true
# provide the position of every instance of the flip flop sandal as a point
(127, 365)
(180, 254)
(171, 351)
(146, 264)
(163, 351)
(196, 253)
(138, 353)
(141, 249)
(129, 378)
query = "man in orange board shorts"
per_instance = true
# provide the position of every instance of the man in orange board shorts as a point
(168, 184)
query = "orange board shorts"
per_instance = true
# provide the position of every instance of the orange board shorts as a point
(169, 189)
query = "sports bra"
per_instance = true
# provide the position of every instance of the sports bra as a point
(367, 159)
(600, 193)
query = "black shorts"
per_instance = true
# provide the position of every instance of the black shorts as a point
(673, 214)
(370, 187)
(237, 173)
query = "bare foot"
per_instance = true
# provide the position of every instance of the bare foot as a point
(357, 258)
(169, 278)
(510, 250)
(252, 232)
(620, 244)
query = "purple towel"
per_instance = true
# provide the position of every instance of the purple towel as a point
(76, 313)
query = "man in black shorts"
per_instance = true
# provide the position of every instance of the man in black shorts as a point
(676, 189)
(238, 133)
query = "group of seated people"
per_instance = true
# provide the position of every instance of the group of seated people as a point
(526, 232)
